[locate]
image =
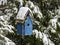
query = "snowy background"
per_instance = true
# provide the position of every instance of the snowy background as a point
(45, 17)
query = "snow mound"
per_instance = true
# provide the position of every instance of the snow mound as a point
(6, 41)
(34, 8)
(43, 36)
(29, 4)
(4, 2)
(53, 22)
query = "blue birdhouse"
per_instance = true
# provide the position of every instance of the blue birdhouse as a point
(24, 21)
(28, 26)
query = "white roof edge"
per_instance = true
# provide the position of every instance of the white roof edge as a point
(22, 13)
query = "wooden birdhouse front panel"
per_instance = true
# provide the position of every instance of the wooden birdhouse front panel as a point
(20, 29)
(28, 26)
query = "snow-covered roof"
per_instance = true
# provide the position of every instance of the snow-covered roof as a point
(22, 13)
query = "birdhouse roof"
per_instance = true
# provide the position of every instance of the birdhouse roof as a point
(22, 13)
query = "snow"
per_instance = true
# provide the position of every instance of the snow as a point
(29, 3)
(6, 41)
(4, 24)
(1, 23)
(43, 36)
(4, 29)
(35, 32)
(58, 11)
(15, 10)
(21, 2)
(40, 35)
(53, 22)
(4, 2)
(45, 40)
(51, 29)
(37, 10)
(9, 28)
(0, 12)
(59, 35)
(51, 12)
(9, 42)
(1, 18)
(39, 14)
(22, 13)
(57, 16)
(50, 42)
(7, 10)
(37, 22)
(59, 24)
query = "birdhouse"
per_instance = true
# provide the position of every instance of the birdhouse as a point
(24, 21)
(28, 26)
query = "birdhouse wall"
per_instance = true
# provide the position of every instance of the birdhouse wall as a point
(28, 26)
(20, 29)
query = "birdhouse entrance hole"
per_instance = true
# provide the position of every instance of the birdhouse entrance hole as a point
(27, 24)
